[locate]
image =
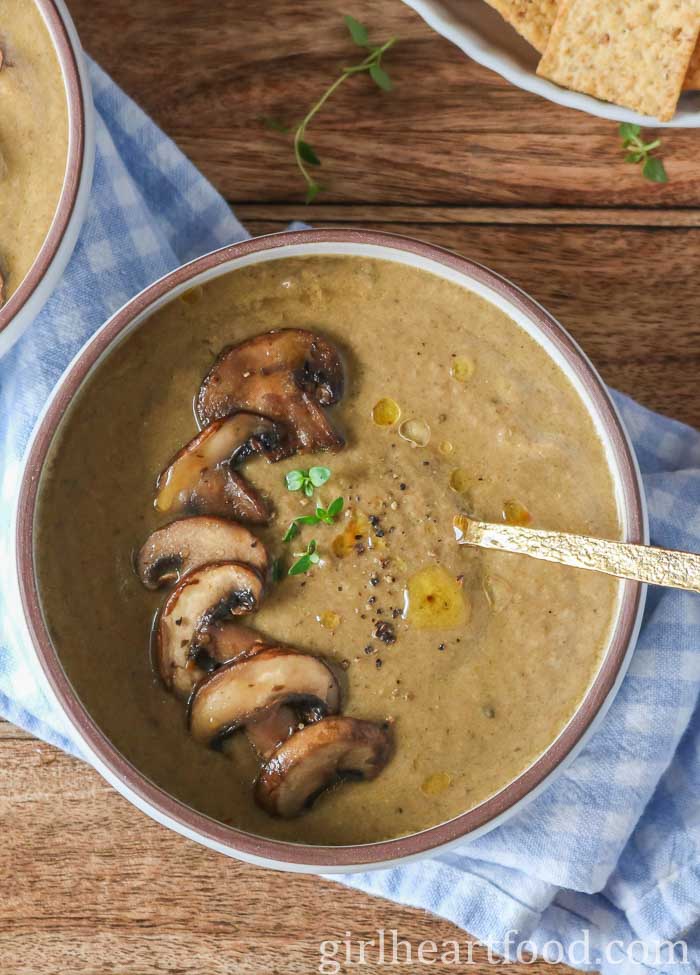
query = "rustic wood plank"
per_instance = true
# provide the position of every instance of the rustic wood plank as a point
(450, 131)
(91, 886)
(377, 214)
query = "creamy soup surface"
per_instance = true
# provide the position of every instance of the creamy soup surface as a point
(33, 138)
(472, 703)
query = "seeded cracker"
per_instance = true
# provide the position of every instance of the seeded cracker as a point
(532, 19)
(692, 79)
(634, 53)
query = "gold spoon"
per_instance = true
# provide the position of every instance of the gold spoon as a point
(642, 563)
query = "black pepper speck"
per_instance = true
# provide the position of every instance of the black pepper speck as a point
(385, 632)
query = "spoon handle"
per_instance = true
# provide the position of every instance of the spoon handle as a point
(642, 563)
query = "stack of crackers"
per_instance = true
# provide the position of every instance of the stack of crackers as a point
(636, 53)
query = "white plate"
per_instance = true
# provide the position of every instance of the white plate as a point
(483, 34)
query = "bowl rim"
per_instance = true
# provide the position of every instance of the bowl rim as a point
(440, 16)
(68, 61)
(298, 856)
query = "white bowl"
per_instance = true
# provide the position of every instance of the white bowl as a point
(37, 285)
(163, 807)
(481, 33)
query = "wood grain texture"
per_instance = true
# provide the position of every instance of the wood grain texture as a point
(455, 156)
(91, 886)
(451, 131)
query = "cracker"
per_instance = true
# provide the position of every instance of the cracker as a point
(634, 53)
(532, 19)
(692, 78)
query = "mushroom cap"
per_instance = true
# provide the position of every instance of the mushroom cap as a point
(169, 553)
(287, 375)
(212, 592)
(241, 692)
(317, 756)
(225, 641)
(201, 476)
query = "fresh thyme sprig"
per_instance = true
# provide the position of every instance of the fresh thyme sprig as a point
(637, 151)
(325, 515)
(306, 481)
(305, 559)
(304, 154)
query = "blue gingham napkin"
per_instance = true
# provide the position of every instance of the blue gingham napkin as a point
(608, 855)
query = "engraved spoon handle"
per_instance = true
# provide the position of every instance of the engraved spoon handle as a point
(643, 563)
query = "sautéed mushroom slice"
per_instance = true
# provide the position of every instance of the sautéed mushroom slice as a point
(216, 591)
(315, 758)
(169, 553)
(289, 375)
(241, 692)
(201, 478)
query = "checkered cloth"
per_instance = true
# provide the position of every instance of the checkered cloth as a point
(610, 850)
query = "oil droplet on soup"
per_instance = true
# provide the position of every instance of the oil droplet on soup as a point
(357, 531)
(435, 784)
(416, 432)
(459, 480)
(462, 368)
(329, 620)
(386, 412)
(435, 600)
(515, 513)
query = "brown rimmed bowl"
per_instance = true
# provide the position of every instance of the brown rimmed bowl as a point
(37, 285)
(301, 857)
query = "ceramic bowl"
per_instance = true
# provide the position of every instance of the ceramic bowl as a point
(484, 36)
(43, 276)
(171, 812)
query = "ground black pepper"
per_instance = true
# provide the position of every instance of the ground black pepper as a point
(385, 632)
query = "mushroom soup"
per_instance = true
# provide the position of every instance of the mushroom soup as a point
(33, 138)
(339, 448)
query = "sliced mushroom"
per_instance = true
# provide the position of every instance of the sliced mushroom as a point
(169, 553)
(317, 756)
(288, 375)
(210, 593)
(201, 477)
(241, 692)
(222, 641)
(274, 727)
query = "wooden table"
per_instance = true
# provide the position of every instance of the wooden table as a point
(456, 156)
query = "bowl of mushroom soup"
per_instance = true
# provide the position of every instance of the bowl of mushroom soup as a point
(272, 643)
(46, 155)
